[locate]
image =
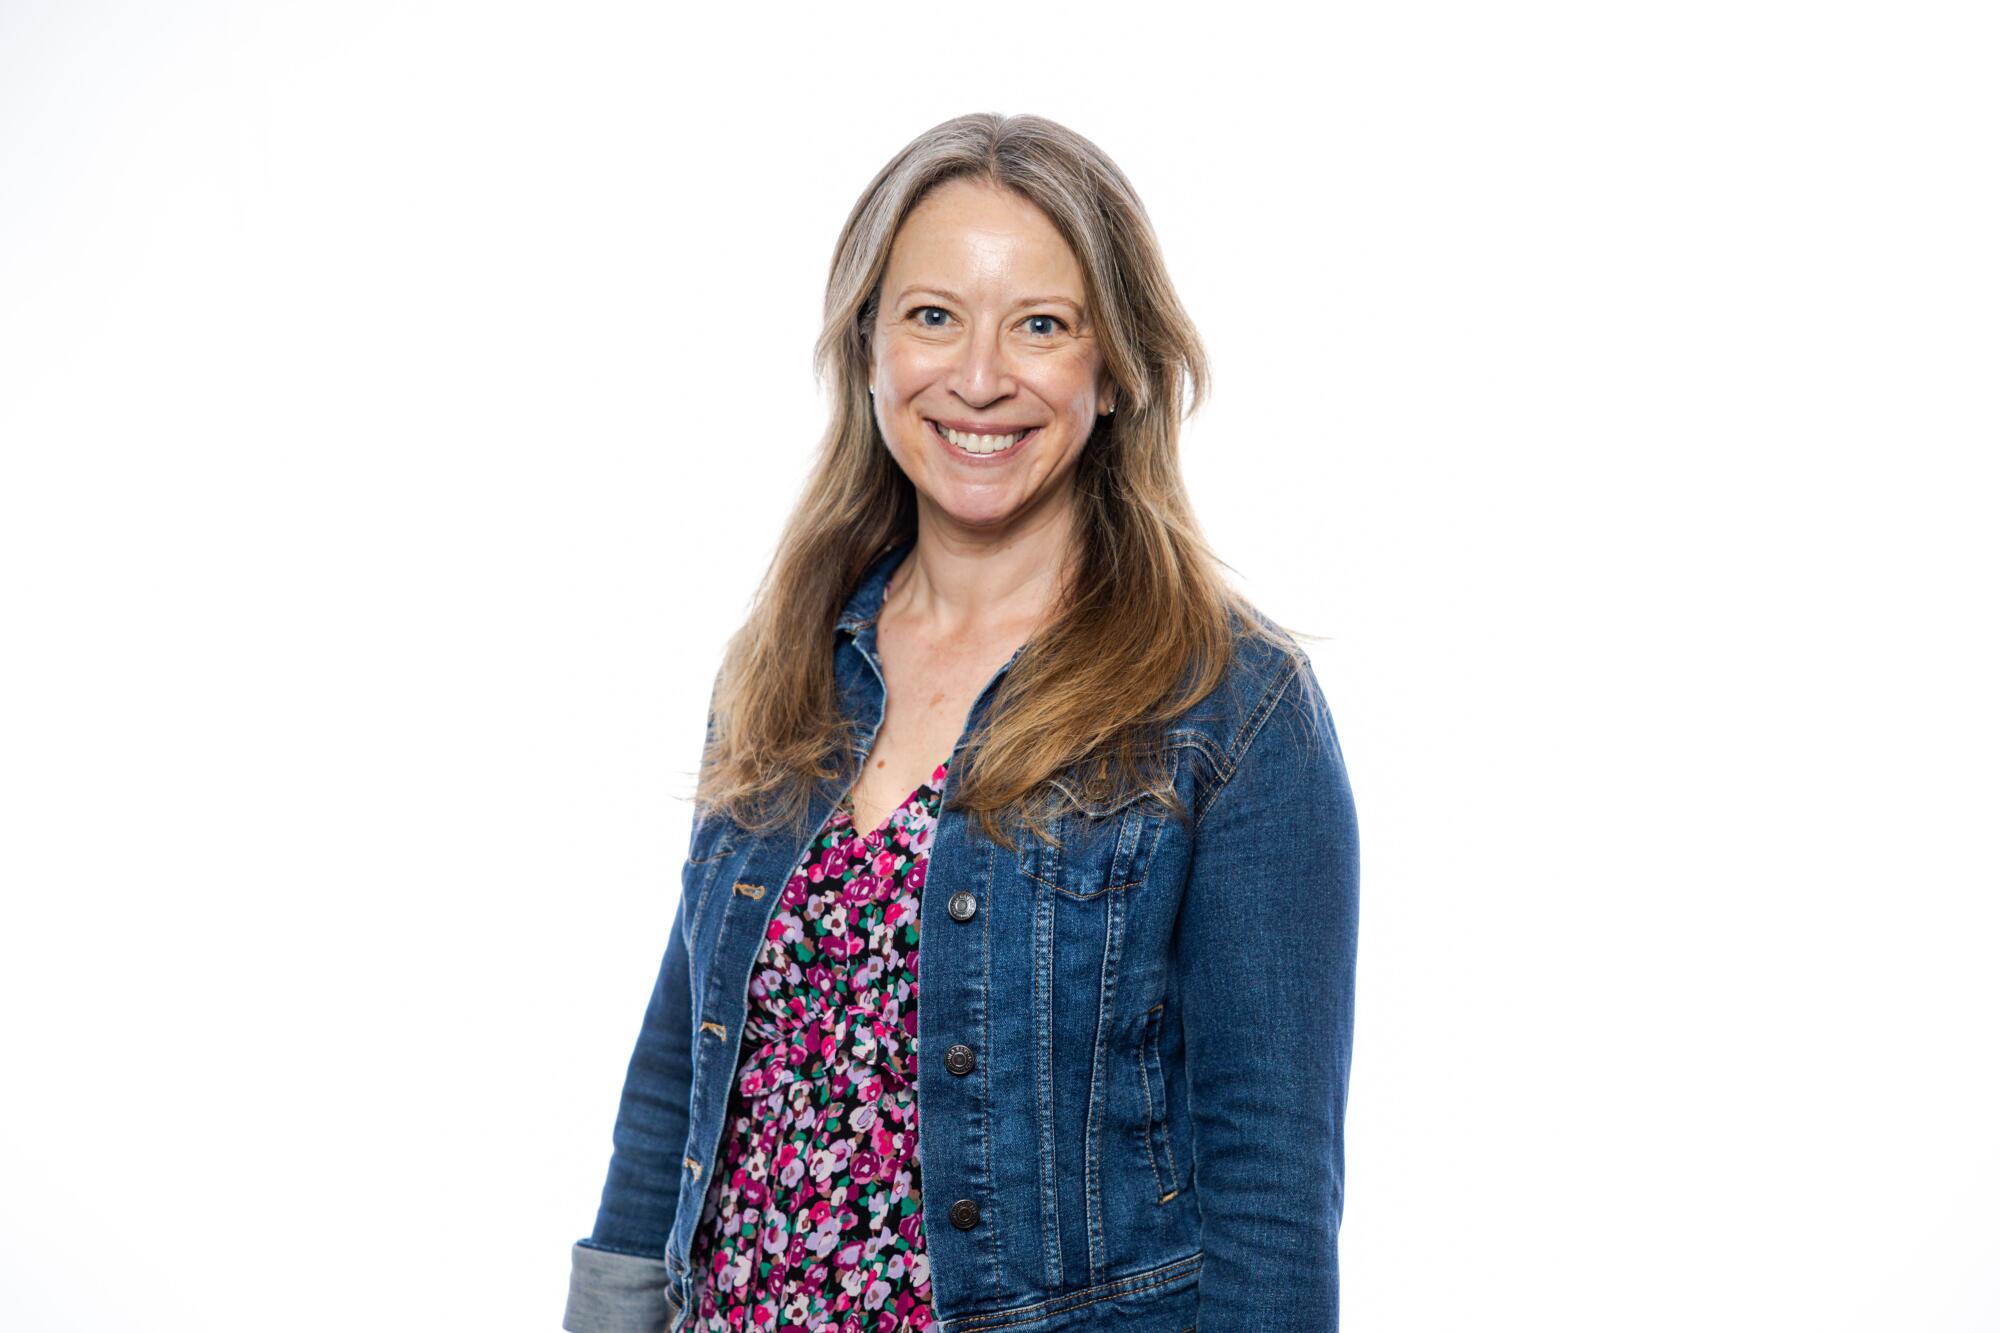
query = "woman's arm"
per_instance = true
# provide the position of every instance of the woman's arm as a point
(643, 1185)
(618, 1276)
(1265, 957)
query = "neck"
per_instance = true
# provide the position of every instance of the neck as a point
(958, 580)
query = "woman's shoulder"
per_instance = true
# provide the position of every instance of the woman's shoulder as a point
(1268, 732)
(1268, 669)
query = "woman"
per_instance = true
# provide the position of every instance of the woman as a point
(1102, 798)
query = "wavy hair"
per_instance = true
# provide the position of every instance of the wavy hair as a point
(1145, 625)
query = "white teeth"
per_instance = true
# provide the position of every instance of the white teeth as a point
(980, 444)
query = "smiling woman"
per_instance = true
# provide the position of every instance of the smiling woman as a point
(1104, 804)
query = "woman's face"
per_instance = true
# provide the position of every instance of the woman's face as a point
(981, 328)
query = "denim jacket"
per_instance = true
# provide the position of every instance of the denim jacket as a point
(1147, 1135)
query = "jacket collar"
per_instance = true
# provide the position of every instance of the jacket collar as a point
(866, 600)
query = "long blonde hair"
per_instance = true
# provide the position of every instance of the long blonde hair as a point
(1143, 630)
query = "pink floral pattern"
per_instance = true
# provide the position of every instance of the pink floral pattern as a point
(813, 1222)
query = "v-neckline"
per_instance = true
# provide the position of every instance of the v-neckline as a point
(875, 834)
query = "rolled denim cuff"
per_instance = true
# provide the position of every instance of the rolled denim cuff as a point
(611, 1292)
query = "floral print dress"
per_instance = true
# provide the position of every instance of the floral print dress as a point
(813, 1222)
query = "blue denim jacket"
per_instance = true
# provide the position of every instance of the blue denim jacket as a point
(1148, 1136)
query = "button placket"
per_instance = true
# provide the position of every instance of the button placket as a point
(959, 1059)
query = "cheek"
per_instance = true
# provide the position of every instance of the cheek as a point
(1071, 387)
(907, 368)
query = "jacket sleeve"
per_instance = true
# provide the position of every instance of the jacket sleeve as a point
(1265, 959)
(618, 1275)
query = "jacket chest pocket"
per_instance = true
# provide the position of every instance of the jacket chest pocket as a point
(1103, 845)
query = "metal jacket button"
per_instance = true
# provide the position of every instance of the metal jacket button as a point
(965, 1214)
(958, 1059)
(962, 906)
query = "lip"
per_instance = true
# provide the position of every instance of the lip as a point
(978, 460)
(981, 427)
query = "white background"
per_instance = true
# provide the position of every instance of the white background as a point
(399, 402)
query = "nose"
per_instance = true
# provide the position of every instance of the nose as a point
(982, 373)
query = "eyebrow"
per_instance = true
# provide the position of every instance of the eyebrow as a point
(908, 292)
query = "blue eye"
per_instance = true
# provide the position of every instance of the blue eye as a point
(920, 311)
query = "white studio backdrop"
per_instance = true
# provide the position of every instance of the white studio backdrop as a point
(397, 406)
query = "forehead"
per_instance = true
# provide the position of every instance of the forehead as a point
(976, 238)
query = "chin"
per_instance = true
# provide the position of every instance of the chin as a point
(975, 510)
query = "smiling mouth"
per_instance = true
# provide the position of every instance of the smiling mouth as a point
(981, 446)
